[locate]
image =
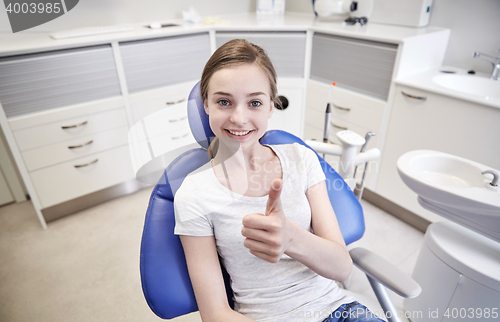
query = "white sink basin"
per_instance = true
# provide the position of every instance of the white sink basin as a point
(454, 188)
(469, 84)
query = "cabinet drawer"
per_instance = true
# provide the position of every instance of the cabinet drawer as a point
(286, 49)
(66, 181)
(70, 128)
(362, 66)
(165, 61)
(350, 110)
(148, 102)
(74, 148)
(358, 109)
(42, 81)
(161, 132)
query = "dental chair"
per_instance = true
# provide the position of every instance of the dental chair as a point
(164, 275)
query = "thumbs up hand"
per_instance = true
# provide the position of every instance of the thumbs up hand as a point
(268, 235)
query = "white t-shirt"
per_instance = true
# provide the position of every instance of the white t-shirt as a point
(283, 291)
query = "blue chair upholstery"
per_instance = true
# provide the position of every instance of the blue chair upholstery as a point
(165, 280)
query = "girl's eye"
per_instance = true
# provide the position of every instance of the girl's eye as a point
(255, 103)
(223, 102)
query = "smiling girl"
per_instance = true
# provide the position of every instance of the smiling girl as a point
(256, 206)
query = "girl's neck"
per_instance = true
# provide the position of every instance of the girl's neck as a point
(237, 158)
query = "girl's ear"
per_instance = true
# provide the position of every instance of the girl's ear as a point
(271, 110)
(205, 105)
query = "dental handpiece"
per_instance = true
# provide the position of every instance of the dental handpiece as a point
(328, 116)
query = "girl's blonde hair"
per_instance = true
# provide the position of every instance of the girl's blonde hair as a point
(234, 53)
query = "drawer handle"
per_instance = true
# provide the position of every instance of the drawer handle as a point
(87, 164)
(81, 145)
(181, 136)
(342, 108)
(339, 127)
(179, 101)
(177, 120)
(422, 98)
(73, 126)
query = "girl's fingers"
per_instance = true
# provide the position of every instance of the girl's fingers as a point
(256, 221)
(266, 257)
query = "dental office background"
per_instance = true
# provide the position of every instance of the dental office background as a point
(474, 24)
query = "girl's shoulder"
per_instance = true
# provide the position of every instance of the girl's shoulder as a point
(294, 150)
(195, 182)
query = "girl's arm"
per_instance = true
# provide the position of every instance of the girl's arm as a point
(206, 277)
(325, 252)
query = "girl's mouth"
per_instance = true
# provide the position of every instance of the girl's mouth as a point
(239, 134)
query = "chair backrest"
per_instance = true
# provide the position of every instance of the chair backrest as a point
(165, 280)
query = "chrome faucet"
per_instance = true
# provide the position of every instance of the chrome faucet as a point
(495, 73)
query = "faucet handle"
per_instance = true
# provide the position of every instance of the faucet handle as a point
(496, 177)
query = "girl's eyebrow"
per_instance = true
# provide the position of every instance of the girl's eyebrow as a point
(257, 94)
(228, 94)
(222, 93)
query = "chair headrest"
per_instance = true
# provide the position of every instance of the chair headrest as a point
(198, 119)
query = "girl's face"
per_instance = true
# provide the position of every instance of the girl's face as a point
(239, 104)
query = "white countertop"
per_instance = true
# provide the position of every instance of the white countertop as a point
(424, 82)
(26, 42)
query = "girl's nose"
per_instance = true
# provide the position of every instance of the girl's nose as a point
(239, 115)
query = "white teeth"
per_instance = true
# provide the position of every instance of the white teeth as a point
(239, 133)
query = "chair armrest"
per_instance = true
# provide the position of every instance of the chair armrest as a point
(385, 273)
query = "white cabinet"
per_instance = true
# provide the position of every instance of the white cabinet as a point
(286, 49)
(73, 151)
(150, 101)
(350, 111)
(439, 123)
(160, 62)
(64, 107)
(291, 118)
(67, 113)
(362, 66)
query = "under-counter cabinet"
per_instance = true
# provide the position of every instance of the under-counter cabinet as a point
(65, 116)
(421, 120)
(363, 72)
